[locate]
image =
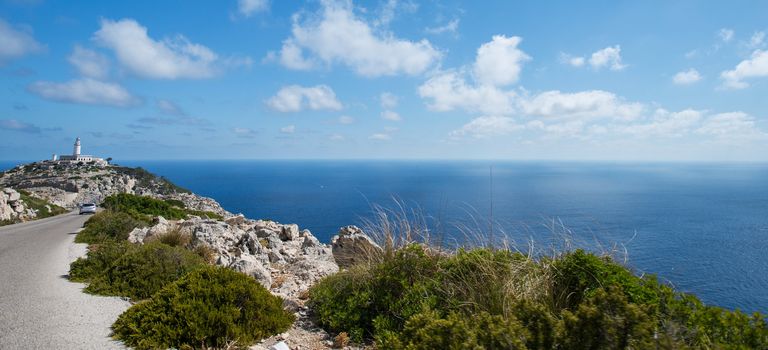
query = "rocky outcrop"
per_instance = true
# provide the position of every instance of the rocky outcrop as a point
(70, 184)
(352, 246)
(12, 208)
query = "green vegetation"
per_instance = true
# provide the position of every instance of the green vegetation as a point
(108, 226)
(144, 208)
(415, 298)
(143, 270)
(212, 307)
(183, 302)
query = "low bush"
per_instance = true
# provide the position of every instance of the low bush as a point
(108, 226)
(145, 208)
(143, 270)
(212, 307)
(417, 298)
(100, 257)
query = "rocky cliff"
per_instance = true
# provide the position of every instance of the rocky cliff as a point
(70, 184)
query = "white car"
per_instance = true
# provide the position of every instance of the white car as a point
(87, 208)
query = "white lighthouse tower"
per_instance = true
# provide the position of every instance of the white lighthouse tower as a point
(76, 151)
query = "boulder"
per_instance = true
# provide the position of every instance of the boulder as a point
(138, 235)
(289, 232)
(13, 195)
(252, 267)
(236, 220)
(352, 246)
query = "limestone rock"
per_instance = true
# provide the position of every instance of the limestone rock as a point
(289, 232)
(254, 268)
(352, 246)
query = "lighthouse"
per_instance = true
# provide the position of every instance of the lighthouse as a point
(76, 151)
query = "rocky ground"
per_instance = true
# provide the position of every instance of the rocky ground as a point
(12, 208)
(282, 257)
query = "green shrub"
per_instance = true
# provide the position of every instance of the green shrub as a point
(416, 298)
(369, 299)
(175, 203)
(99, 258)
(456, 331)
(209, 307)
(144, 270)
(607, 320)
(143, 207)
(108, 226)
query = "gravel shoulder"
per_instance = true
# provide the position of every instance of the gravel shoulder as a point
(39, 307)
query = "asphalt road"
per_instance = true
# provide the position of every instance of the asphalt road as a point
(39, 307)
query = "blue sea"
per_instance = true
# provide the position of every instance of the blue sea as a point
(701, 226)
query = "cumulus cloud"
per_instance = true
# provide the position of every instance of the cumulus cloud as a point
(85, 91)
(16, 43)
(448, 91)
(388, 100)
(391, 116)
(581, 105)
(664, 123)
(248, 8)
(89, 62)
(290, 129)
(169, 108)
(608, 57)
(499, 61)
(346, 120)
(170, 58)
(295, 98)
(20, 126)
(687, 77)
(336, 35)
(754, 67)
(737, 126)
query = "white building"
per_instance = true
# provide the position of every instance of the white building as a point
(77, 157)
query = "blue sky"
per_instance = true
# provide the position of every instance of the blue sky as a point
(564, 80)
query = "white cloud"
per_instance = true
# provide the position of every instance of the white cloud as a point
(725, 34)
(85, 91)
(336, 137)
(171, 58)
(16, 43)
(89, 63)
(388, 100)
(608, 57)
(290, 129)
(665, 124)
(380, 137)
(450, 27)
(483, 127)
(169, 108)
(737, 126)
(754, 67)
(448, 91)
(249, 7)
(336, 35)
(245, 132)
(391, 116)
(687, 77)
(499, 61)
(581, 105)
(346, 120)
(576, 61)
(295, 98)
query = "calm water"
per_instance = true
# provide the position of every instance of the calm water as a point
(703, 227)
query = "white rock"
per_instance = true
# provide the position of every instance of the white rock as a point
(254, 268)
(280, 346)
